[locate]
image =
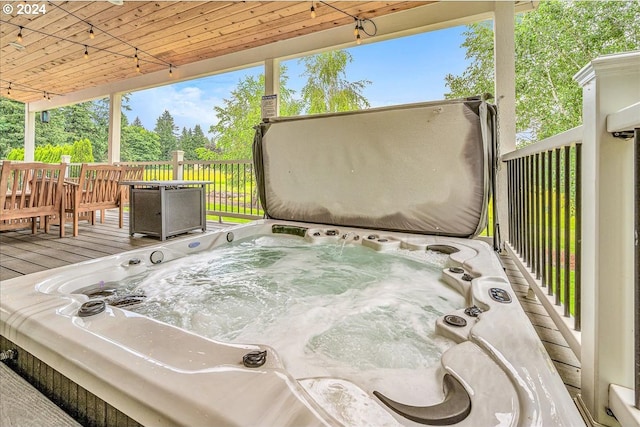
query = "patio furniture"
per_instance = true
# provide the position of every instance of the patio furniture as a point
(131, 173)
(166, 208)
(98, 188)
(29, 191)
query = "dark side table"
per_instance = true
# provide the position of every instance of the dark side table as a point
(166, 208)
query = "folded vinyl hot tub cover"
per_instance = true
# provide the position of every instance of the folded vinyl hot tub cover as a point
(421, 168)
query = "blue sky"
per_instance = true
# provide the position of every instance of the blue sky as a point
(405, 70)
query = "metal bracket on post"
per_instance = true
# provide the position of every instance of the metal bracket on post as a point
(623, 134)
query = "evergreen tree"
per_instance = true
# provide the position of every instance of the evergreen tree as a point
(11, 125)
(191, 140)
(167, 132)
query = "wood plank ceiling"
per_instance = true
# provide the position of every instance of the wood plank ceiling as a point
(56, 35)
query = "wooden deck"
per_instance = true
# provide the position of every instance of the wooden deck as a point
(565, 361)
(23, 253)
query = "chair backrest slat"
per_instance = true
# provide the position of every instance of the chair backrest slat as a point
(29, 190)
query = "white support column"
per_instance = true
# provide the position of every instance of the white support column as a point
(115, 127)
(609, 83)
(505, 93)
(272, 79)
(29, 134)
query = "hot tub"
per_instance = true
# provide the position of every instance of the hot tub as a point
(159, 374)
(388, 187)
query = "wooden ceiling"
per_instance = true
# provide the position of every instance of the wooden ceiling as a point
(164, 32)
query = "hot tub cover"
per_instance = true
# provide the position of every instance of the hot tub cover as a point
(420, 168)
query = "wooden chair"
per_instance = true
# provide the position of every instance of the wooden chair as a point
(98, 188)
(131, 173)
(29, 191)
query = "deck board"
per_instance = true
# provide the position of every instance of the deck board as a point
(563, 358)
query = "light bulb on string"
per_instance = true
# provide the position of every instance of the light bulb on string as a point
(355, 30)
(358, 39)
(9, 90)
(138, 68)
(135, 57)
(19, 37)
(313, 11)
(86, 52)
(92, 35)
(170, 70)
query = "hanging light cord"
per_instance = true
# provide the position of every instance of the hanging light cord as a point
(138, 50)
(24, 88)
(100, 49)
(360, 22)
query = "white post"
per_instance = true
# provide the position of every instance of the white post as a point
(178, 168)
(115, 125)
(29, 134)
(505, 93)
(609, 83)
(272, 80)
(65, 158)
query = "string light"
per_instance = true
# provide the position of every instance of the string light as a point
(86, 52)
(170, 70)
(13, 86)
(92, 35)
(19, 38)
(138, 68)
(313, 10)
(135, 57)
(9, 90)
(359, 27)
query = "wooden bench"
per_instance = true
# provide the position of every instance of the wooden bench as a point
(28, 192)
(98, 188)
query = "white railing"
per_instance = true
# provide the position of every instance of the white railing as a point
(580, 187)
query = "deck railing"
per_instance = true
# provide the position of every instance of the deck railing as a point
(573, 230)
(544, 203)
(232, 192)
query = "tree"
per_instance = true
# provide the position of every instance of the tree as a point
(80, 152)
(191, 140)
(327, 90)
(139, 144)
(166, 130)
(233, 134)
(553, 43)
(11, 125)
(54, 132)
